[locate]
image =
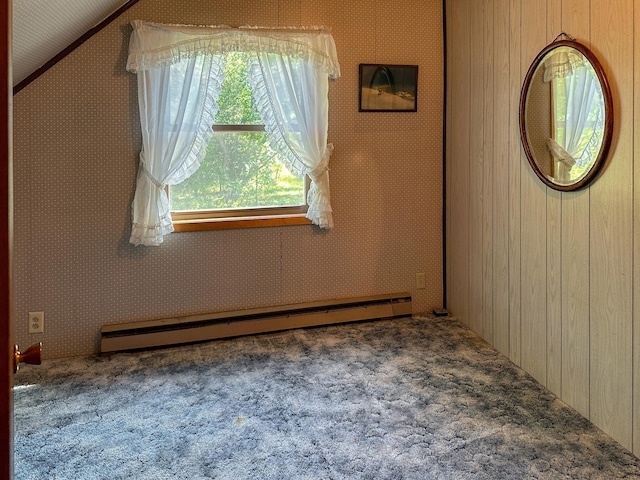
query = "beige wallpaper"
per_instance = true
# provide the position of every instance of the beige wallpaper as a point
(539, 121)
(76, 143)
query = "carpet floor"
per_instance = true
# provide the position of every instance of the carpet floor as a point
(411, 398)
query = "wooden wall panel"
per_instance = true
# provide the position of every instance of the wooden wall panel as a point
(487, 180)
(554, 291)
(500, 175)
(554, 248)
(534, 223)
(636, 242)
(478, 166)
(572, 317)
(575, 301)
(611, 233)
(458, 168)
(575, 20)
(516, 161)
(575, 259)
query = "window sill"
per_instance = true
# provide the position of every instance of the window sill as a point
(244, 222)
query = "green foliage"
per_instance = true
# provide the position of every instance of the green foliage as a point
(240, 169)
(237, 106)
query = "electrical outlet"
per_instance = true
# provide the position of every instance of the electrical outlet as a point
(36, 322)
(421, 280)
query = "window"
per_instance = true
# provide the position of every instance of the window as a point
(180, 72)
(241, 175)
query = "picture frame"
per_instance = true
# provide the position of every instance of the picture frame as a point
(388, 88)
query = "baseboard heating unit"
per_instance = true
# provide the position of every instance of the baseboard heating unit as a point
(200, 328)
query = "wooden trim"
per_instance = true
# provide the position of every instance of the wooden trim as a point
(445, 79)
(90, 33)
(201, 220)
(6, 334)
(218, 127)
(238, 213)
(246, 222)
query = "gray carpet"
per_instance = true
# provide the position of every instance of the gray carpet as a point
(414, 398)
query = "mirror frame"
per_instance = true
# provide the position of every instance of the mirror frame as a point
(608, 108)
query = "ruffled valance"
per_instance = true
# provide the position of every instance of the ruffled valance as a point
(153, 45)
(562, 63)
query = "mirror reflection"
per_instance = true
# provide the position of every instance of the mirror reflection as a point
(565, 116)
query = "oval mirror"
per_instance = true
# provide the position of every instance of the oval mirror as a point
(566, 117)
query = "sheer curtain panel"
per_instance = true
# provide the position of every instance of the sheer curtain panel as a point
(180, 69)
(291, 97)
(578, 113)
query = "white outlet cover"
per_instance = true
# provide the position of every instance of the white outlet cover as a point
(36, 322)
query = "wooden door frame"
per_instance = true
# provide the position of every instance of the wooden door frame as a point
(6, 206)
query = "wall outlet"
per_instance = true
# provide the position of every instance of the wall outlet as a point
(36, 322)
(421, 280)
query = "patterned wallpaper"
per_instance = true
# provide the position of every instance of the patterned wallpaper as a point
(76, 144)
(539, 121)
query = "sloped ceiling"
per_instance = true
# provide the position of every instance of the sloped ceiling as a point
(44, 28)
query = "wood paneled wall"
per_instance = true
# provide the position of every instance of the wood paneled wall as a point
(546, 277)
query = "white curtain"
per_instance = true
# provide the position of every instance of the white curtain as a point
(180, 70)
(291, 97)
(177, 108)
(578, 113)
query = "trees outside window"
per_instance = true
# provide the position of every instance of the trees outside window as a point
(240, 170)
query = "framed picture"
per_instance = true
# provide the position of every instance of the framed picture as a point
(388, 88)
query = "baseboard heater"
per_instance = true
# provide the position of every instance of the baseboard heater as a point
(200, 328)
